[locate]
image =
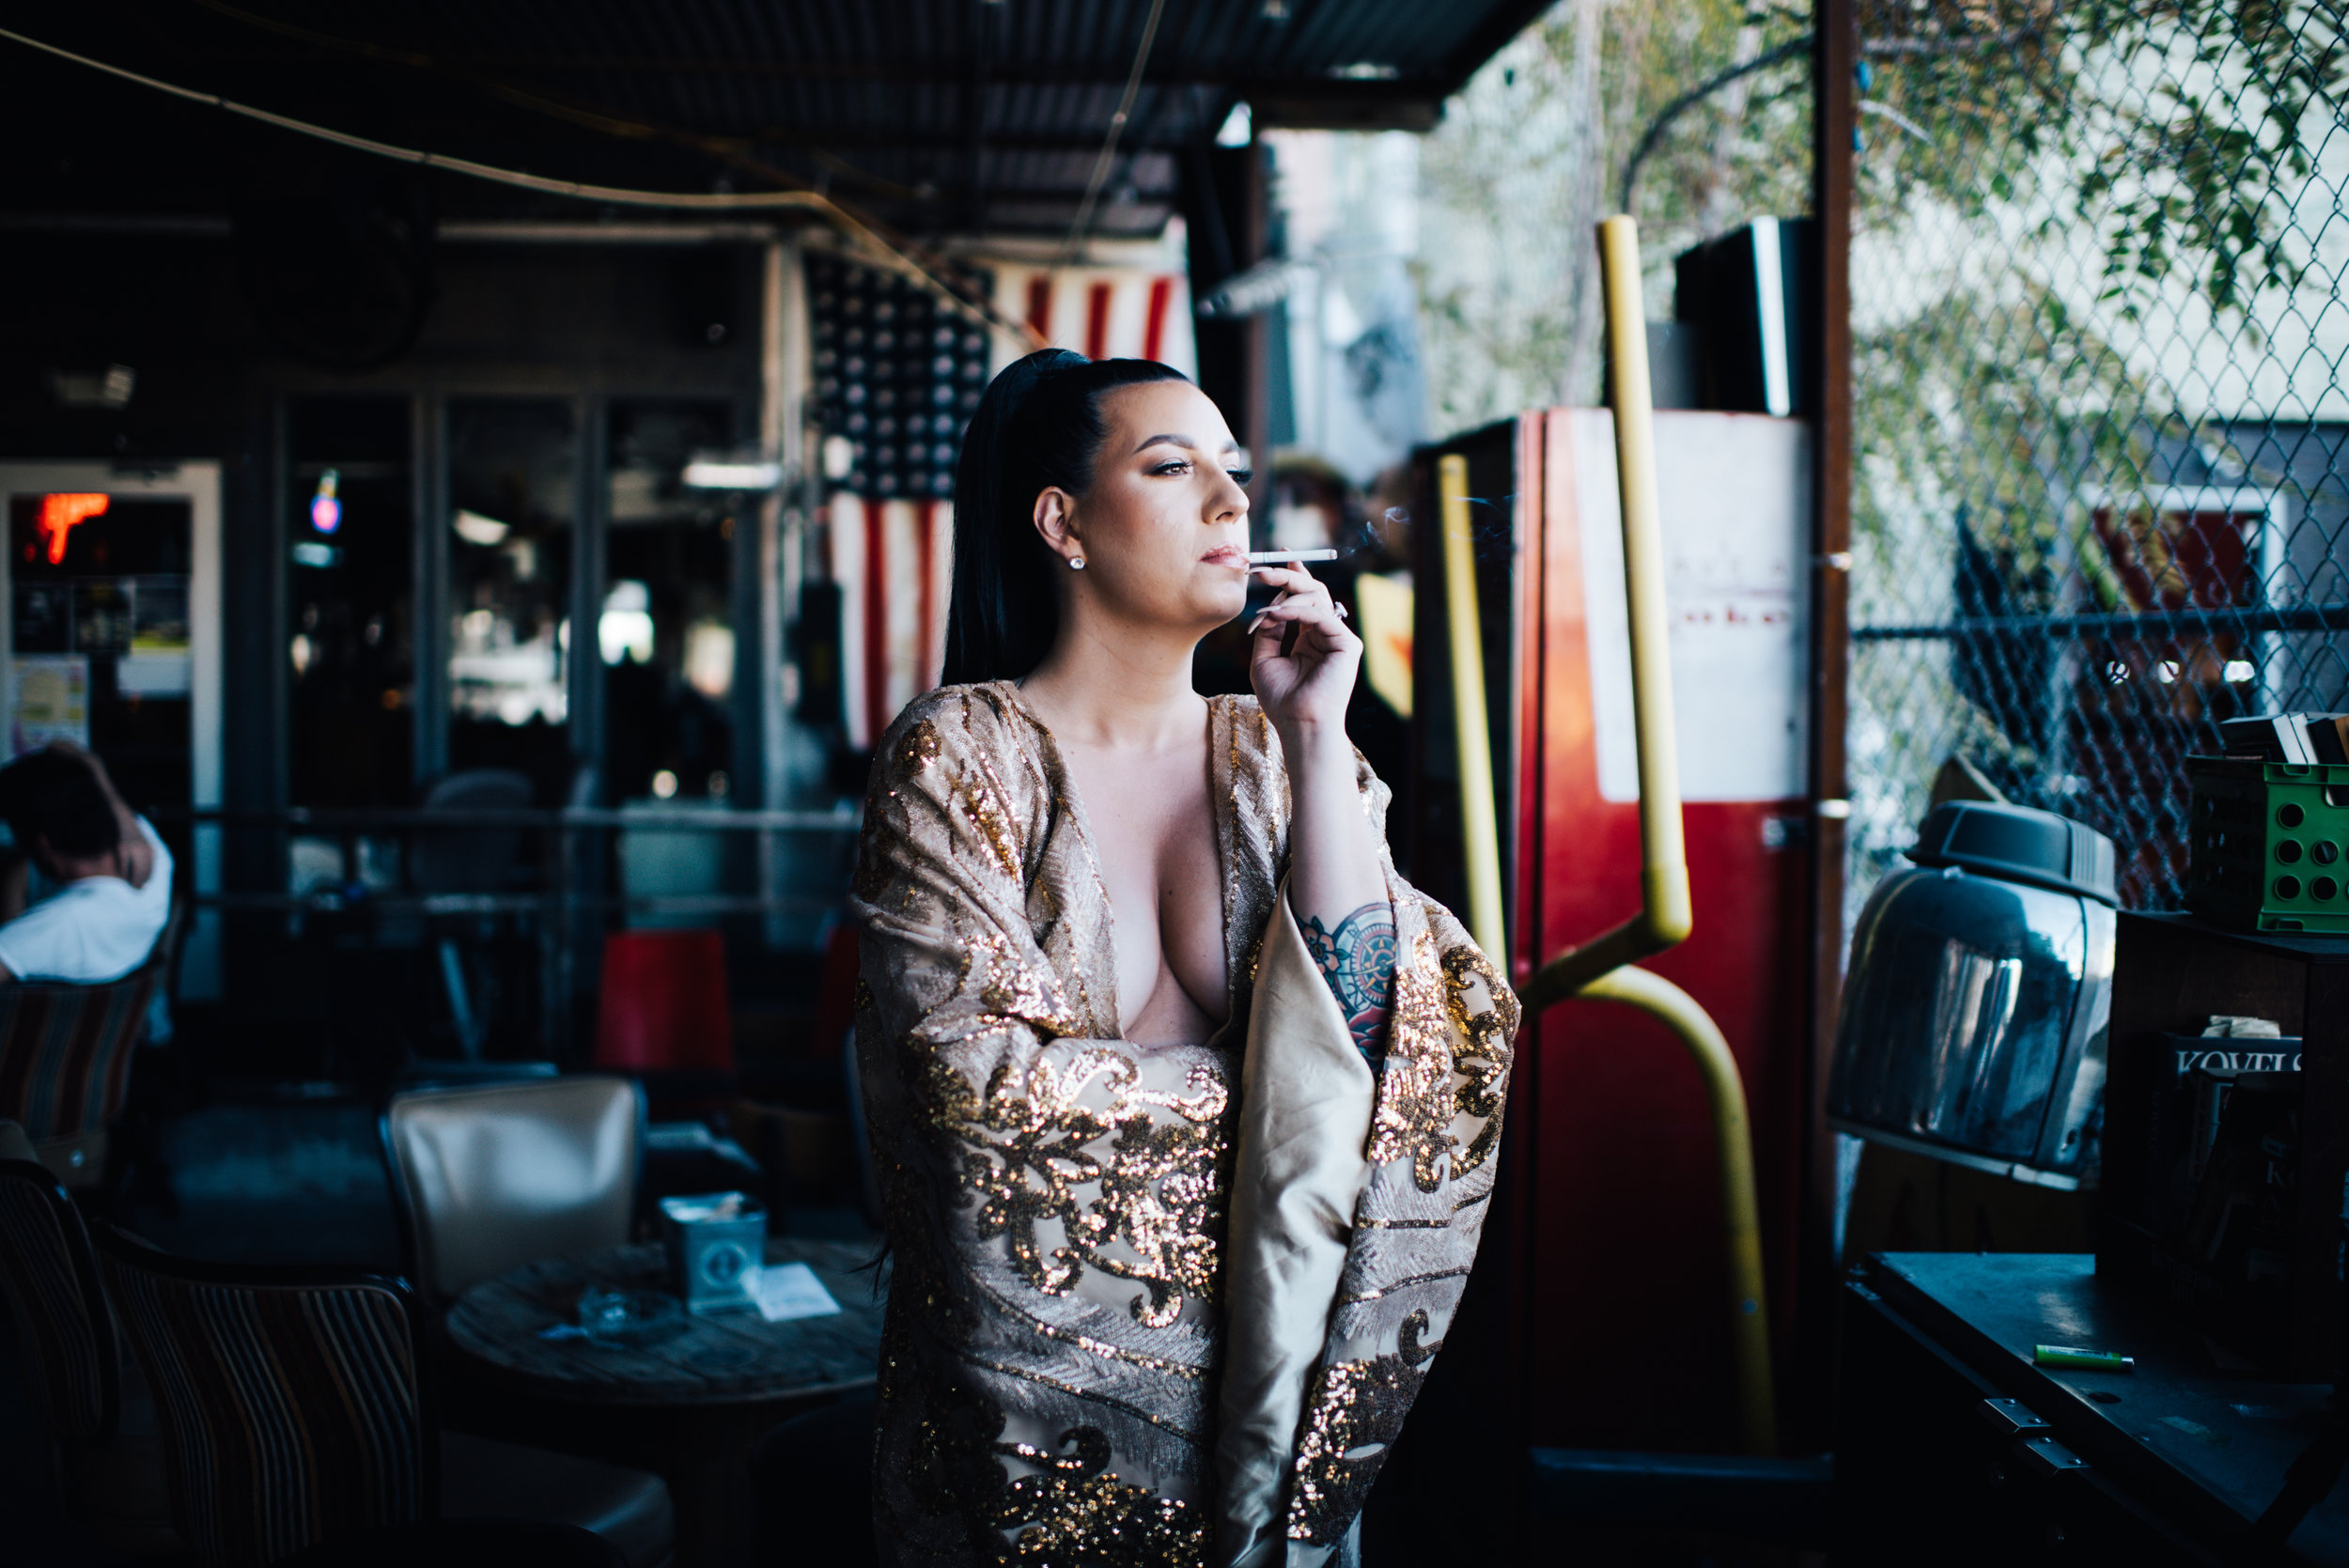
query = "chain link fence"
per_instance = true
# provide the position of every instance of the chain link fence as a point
(2102, 453)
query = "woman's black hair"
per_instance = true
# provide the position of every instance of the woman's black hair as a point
(1039, 427)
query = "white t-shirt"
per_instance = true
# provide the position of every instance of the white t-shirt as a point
(97, 929)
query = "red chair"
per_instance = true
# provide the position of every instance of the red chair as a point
(663, 1006)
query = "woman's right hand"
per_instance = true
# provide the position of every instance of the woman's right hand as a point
(1303, 685)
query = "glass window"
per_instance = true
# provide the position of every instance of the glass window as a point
(102, 651)
(351, 527)
(512, 469)
(666, 632)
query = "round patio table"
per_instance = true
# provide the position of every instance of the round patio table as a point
(689, 1406)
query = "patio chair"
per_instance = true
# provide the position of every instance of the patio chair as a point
(469, 860)
(93, 1410)
(488, 1179)
(65, 1061)
(298, 1409)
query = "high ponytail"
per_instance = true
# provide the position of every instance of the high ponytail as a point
(1039, 427)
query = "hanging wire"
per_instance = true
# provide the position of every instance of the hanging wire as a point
(856, 228)
(1102, 165)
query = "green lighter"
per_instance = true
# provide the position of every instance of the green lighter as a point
(2073, 1355)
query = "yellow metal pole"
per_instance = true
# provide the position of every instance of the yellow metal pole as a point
(1663, 853)
(1741, 1213)
(1665, 917)
(1479, 829)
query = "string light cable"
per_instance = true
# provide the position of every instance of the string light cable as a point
(857, 230)
(726, 149)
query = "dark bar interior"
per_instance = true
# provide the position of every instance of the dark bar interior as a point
(614, 620)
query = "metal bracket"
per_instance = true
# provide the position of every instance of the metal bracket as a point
(2011, 1417)
(2047, 1457)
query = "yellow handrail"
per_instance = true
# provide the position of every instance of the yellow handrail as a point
(1665, 917)
(1470, 722)
(1741, 1208)
(1600, 970)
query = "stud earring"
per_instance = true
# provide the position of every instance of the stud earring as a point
(1075, 562)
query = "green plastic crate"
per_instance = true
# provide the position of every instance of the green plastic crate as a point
(2269, 849)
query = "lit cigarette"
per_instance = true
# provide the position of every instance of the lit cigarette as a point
(1276, 557)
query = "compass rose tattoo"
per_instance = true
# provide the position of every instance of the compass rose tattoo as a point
(1357, 961)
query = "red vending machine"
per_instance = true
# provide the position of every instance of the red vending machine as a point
(1609, 1239)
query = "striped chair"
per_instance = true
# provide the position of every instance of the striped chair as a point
(288, 1398)
(65, 1061)
(101, 1430)
(296, 1410)
(64, 1334)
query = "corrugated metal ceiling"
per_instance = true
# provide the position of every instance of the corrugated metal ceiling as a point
(937, 115)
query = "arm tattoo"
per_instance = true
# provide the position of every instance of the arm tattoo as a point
(1357, 961)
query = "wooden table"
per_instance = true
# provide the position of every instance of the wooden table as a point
(688, 1406)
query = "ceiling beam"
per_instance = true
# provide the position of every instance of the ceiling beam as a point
(516, 69)
(1320, 109)
(834, 137)
(1073, 195)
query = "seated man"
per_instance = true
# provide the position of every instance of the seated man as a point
(114, 875)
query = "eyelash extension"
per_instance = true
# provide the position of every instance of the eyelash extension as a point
(1243, 477)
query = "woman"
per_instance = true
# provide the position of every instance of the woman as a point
(1184, 1104)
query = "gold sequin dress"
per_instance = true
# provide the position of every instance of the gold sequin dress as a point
(1057, 1197)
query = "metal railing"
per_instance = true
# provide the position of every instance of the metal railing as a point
(564, 896)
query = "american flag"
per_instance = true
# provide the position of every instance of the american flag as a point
(1100, 312)
(893, 558)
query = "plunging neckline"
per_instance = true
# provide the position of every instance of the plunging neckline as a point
(1219, 807)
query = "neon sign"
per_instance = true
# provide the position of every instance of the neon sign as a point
(58, 515)
(326, 513)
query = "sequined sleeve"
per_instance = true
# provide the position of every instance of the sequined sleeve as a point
(1052, 1193)
(1435, 1133)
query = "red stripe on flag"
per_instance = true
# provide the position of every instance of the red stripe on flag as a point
(1098, 322)
(1153, 327)
(1040, 306)
(926, 535)
(876, 626)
